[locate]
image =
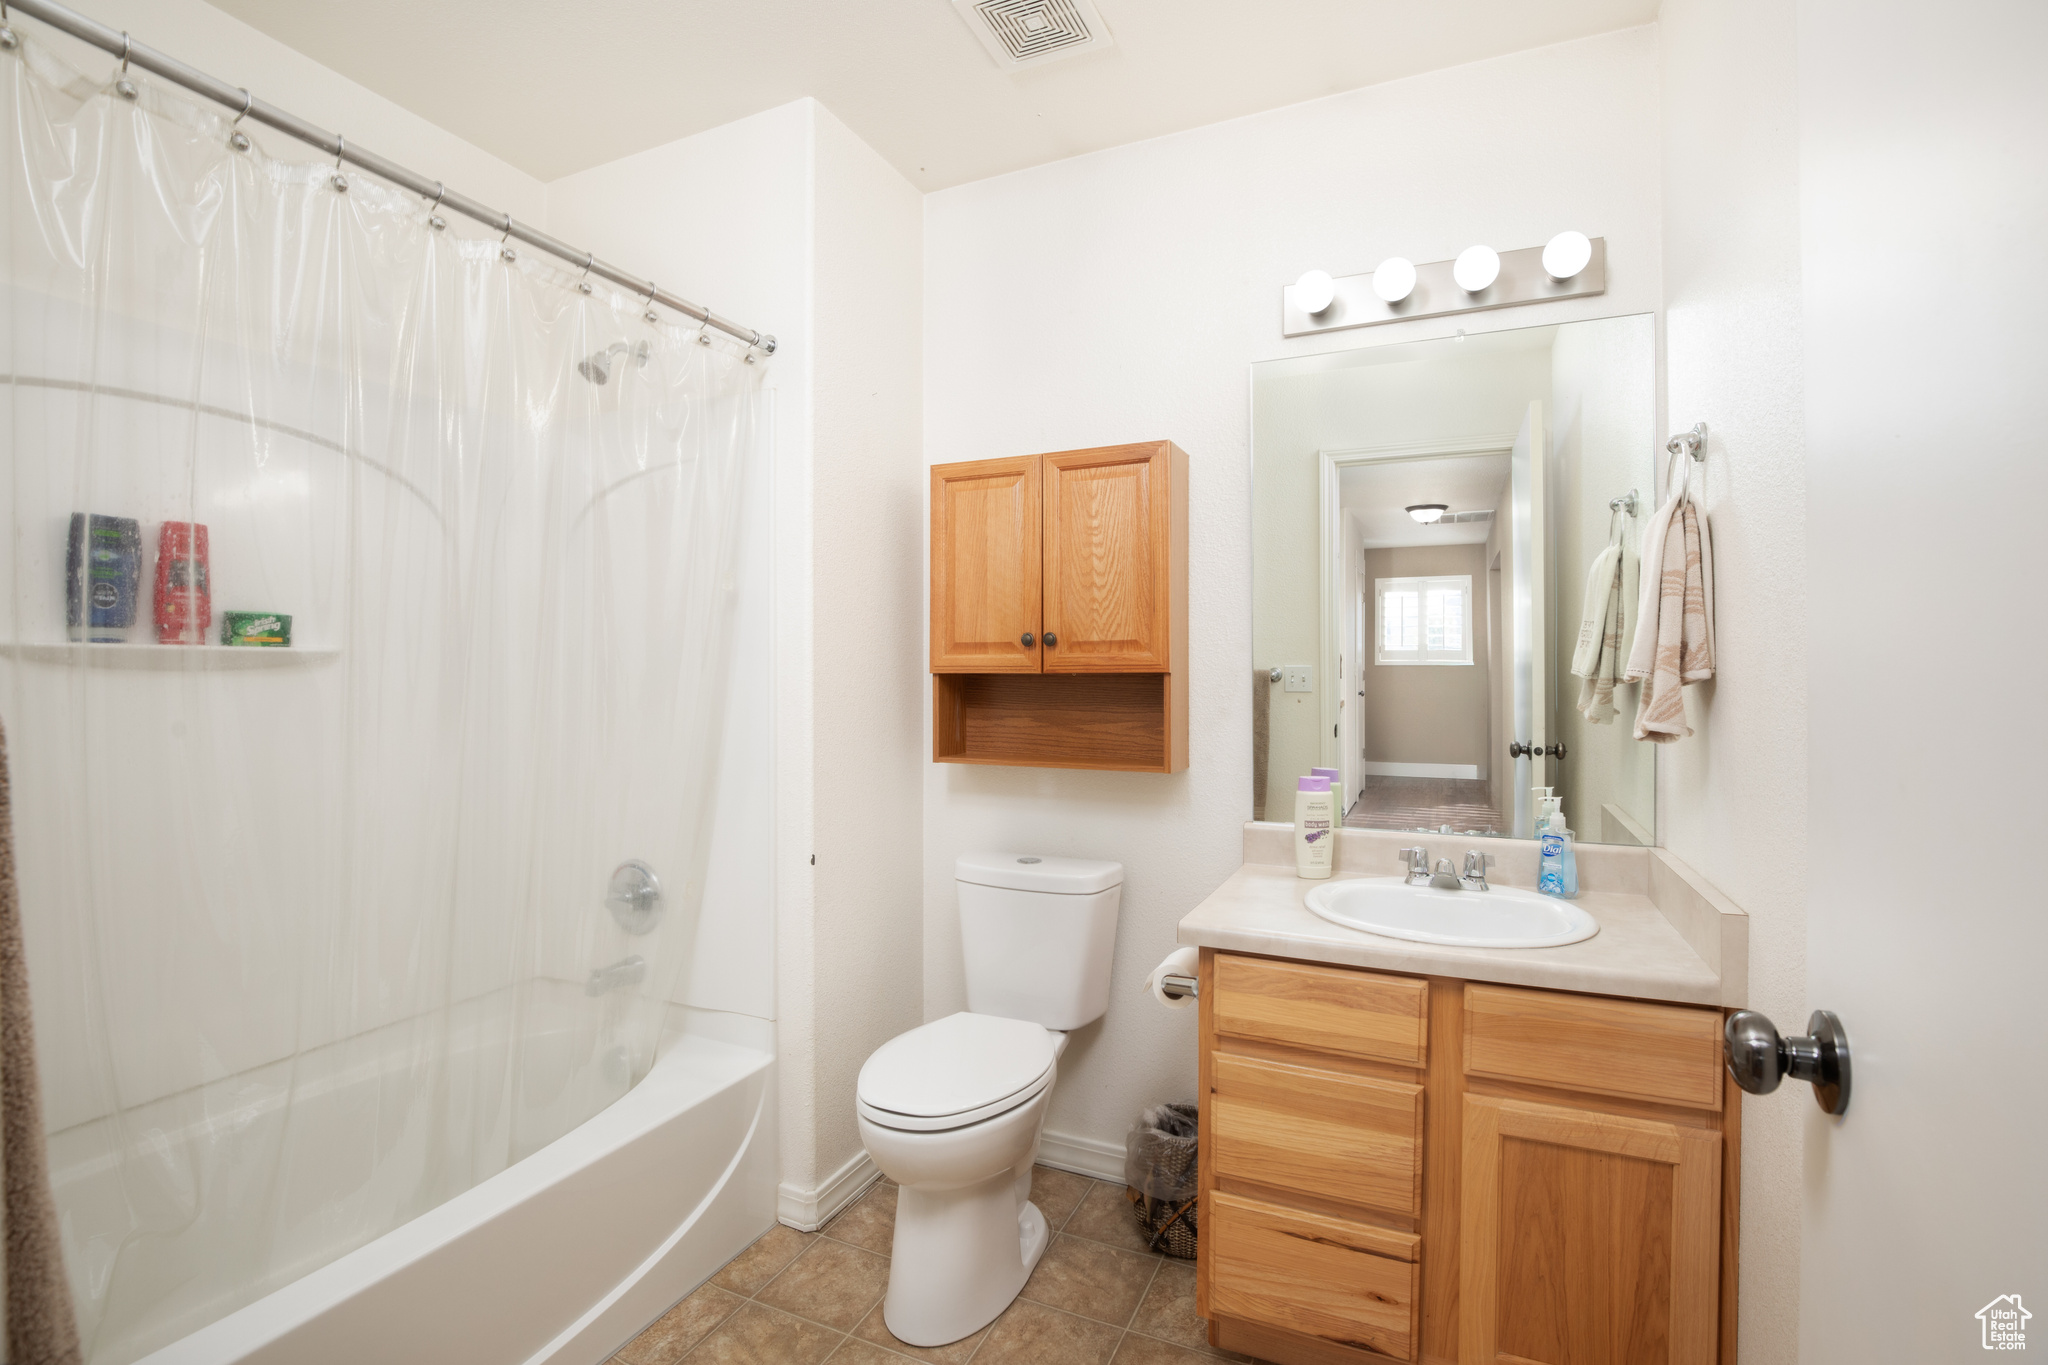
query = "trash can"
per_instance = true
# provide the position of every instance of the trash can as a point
(1163, 1179)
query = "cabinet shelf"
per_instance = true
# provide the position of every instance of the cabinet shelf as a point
(1117, 721)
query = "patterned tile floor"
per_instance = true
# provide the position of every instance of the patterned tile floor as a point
(1098, 1297)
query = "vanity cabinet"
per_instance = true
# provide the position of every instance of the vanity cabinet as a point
(1427, 1169)
(1059, 609)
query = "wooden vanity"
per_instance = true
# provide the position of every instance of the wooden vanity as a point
(1422, 1168)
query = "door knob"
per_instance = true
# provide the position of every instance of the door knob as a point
(1517, 749)
(1051, 639)
(1027, 639)
(1555, 751)
(1758, 1058)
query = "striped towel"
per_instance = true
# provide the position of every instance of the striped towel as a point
(1675, 644)
(1597, 659)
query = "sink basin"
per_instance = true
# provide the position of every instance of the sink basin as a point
(1503, 917)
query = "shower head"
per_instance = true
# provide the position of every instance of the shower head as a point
(598, 368)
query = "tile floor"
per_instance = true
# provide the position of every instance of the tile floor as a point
(801, 1298)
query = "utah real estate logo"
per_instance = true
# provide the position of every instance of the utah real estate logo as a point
(2005, 1323)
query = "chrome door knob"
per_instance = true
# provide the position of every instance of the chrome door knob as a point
(1758, 1058)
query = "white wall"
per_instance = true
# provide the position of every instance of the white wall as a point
(868, 526)
(1731, 800)
(1120, 296)
(1924, 157)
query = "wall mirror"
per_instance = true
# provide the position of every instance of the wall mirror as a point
(1425, 520)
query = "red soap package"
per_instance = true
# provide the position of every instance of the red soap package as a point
(184, 597)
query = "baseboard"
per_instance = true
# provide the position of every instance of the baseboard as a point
(809, 1210)
(1468, 772)
(1082, 1155)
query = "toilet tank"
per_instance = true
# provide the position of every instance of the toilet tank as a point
(1037, 934)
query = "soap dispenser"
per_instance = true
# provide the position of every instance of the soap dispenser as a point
(1557, 866)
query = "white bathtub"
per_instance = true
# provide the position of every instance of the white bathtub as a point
(560, 1257)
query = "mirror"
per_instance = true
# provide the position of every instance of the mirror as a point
(1427, 520)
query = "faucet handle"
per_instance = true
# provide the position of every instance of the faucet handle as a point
(1418, 858)
(1476, 864)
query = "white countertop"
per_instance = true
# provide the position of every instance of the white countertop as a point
(1638, 951)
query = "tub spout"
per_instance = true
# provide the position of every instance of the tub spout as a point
(629, 971)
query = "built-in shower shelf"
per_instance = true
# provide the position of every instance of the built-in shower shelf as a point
(199, 657)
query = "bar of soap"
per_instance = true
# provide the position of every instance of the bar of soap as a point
(262, 629)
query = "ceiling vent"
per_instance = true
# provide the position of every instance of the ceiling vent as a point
(1020, 33)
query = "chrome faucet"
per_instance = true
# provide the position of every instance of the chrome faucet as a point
(628, 971)
(1476, 864)
(1418, 866)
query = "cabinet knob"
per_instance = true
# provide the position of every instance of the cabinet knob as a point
(1758, 1058)
(1027, 639)
(1051, 639)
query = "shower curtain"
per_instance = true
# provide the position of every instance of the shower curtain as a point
(351, 634)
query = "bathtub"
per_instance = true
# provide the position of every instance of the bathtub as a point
(562, 1256)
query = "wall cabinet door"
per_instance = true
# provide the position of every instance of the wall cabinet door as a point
(1109, 547)
(985, 566)
(1586, 1238)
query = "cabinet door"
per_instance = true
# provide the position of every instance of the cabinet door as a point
(1586, 1238)
(1109, 540)
(985, 566)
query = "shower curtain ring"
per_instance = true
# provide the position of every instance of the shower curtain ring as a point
(340, 150)
(583, 284)
(238, 139)
(650, 314)
(124, 87)
(504, 243)
(434, 219)
(8, 42)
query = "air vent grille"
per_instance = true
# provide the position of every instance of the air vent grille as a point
(1449, 517)
(1027, 32)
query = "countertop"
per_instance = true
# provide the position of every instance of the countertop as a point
(1639, 952)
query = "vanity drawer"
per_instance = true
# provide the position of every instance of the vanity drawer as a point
(1330, 1009)
(1345, 1283)
(1667, 1053)
(1322, 1133)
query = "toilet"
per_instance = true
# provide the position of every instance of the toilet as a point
(951, 1111)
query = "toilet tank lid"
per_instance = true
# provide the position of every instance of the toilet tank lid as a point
(1032, 872)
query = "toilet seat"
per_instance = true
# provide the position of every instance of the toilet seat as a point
(956, 1071)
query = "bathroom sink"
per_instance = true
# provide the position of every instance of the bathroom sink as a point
(1502, 917)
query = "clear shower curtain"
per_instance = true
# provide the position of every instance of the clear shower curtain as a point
(316, 927)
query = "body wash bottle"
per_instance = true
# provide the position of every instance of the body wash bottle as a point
(1336, 793)
(1314, 835)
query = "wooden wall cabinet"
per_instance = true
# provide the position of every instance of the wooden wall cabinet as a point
(1059, 609)
(1424, 1169)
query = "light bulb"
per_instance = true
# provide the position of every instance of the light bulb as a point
(1314, 292)
(1427, 512)
(1477, 267)
(1566, 254)
(1394, 280)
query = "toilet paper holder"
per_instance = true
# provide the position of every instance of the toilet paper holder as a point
(1179, 987)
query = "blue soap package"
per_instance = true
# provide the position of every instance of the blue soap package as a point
(102, 577)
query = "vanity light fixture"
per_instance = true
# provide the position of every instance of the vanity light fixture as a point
(1314, 291)
(1427, 512)
(1566, 254)
(1394, 279)
(1476, 269)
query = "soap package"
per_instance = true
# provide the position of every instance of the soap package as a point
(258, 629)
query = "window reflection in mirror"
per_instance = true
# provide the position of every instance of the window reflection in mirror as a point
(1427, 518)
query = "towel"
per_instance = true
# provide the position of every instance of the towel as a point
(1597, 659)
(1675, 646)
(1262, 709)
(41, 1329)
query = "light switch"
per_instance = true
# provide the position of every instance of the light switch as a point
(1301, 678)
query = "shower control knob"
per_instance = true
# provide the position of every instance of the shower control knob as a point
(634, 897)
(1027, 639)
(1758, 1058)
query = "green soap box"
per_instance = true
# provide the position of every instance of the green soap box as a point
(260, 629)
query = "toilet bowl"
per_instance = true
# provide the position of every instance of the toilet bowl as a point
(951, 1111)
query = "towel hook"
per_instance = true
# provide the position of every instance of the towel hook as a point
(1693, 443)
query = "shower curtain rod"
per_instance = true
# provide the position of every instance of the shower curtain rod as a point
(117, 43)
